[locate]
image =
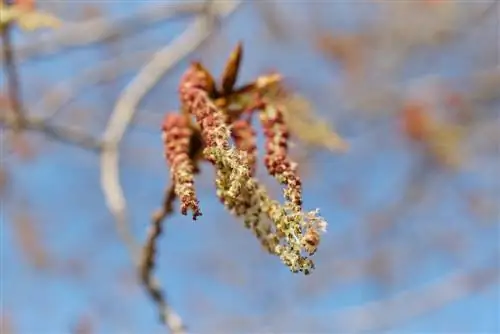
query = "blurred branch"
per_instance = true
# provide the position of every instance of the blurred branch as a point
(101, 29)
(410, 304)
(413, 193)
(274, 21)
(475, 20)
(67, 90)
(28, 237)
(121, 118)
(384, 315)
(487, 86)
(63, 134)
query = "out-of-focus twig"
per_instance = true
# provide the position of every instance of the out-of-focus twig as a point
(61, 133)
(101, 29)
(487, 85)
(120, 120)
(67, 90)
(275, 23)
(385, 314)
(30, 242)
(410, 304)
(477, 19)
(413, 193)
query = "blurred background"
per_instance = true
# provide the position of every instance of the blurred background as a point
(413, 237)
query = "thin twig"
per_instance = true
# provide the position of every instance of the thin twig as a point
(412, 303)
(382, 316)
(65, 91)
(147, 262)
(149, 249)
(63, 134)
(121, 118)
(101, 29)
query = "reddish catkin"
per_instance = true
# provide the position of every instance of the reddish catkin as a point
(276, 158)
(194, 92)
(244, 137)
(231, 165)
(226, 138)
(176, 135)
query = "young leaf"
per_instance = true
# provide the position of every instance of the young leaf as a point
(27, 20)
(230, 74)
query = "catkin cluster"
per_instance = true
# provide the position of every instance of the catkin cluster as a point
(229, 144)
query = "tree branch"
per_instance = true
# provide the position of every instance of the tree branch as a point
(65, 91)
(63, 134)
(121, 118)
(147, 262)
(100, 29)
(410, 304)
